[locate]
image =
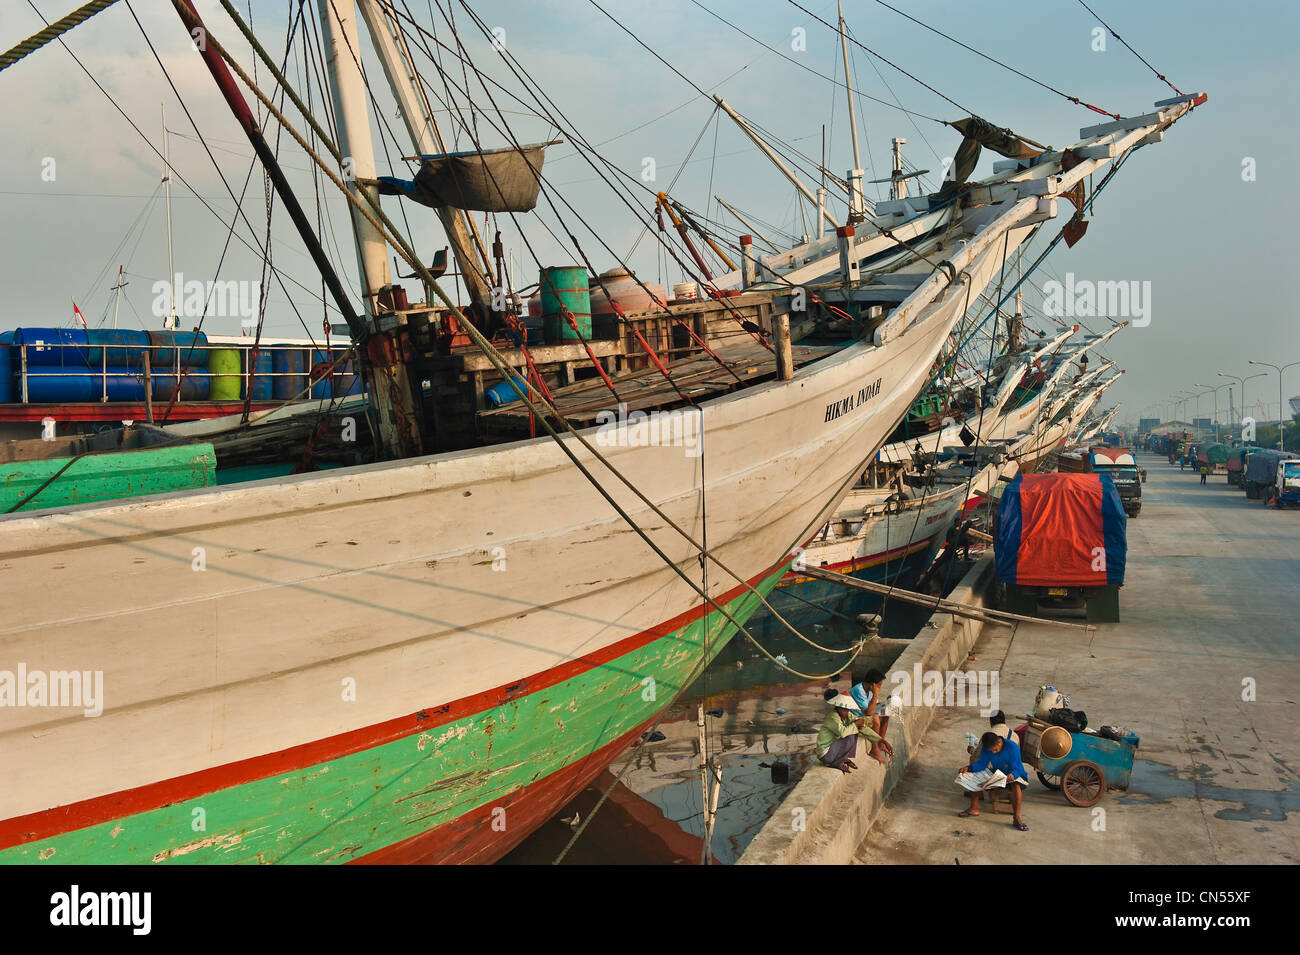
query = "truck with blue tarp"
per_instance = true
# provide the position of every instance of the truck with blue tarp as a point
(1272, 476)
(1061, 544)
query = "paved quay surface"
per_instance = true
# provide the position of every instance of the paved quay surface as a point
(1210, 609)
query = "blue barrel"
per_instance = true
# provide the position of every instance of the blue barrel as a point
(341, 382)
(261, 375)
(323, 387)
(290, 368)
(348, 382)
(126, 346)
(568, 287)
(504, 392)
(49, 385)
(60, 347)
(193, 387)
(191, 347)
(8, 394)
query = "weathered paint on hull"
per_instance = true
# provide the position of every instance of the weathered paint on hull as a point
(383, 577)
(464, 789)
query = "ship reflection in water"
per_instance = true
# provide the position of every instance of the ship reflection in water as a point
(654, 815)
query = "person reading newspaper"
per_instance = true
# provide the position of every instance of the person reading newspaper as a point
(998, 757)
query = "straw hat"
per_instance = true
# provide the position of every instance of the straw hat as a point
(843, 700)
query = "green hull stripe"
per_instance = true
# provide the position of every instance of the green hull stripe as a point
(347, 807)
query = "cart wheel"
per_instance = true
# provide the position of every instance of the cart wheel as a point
(1051, 782)
(1083, 783)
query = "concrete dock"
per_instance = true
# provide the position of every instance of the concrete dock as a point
(1203, 665)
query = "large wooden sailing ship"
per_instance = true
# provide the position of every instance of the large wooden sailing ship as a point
(420, 658)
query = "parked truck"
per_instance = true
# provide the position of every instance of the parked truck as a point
(1272, 476)
(1236, 464)
(1119, 463)
(1060, 542)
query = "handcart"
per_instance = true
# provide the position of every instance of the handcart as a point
(1081, 765)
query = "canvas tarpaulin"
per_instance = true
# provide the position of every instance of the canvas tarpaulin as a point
(976, 134)
(494, 180)
(1061, 530)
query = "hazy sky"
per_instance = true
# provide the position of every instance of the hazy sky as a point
(1218, 250)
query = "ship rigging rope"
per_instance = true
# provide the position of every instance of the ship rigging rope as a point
(1108, 27)
(547, 194)
(238, 202)
(389, 231)
(525, 78)
(180, 440)
(804, 66)
(466, 59)
(647, 227)
(263, 254)
(631, 760)
(1087, 205)
(925, 491)
(522, 75)
(695, 86)
(919, 255)
(279, 274)
(1072, 99)
(52, 32)
(995, 60)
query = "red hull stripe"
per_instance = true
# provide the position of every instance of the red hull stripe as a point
(486, 833)
(859, 562)
(117, 411)
(88, 812)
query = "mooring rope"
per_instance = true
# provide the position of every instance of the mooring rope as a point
(52, 32)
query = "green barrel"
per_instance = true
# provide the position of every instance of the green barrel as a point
(567, 286)
(223, 365)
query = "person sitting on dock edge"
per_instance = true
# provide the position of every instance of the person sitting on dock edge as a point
(837, 740)
(867, 697)
(1000, 754)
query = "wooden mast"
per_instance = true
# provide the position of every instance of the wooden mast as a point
(857, 200)
(382, 23)
(395, 400)
(381, 377)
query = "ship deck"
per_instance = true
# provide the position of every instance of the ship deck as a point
(744, 362)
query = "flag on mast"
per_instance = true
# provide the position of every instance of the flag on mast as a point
(76, 311)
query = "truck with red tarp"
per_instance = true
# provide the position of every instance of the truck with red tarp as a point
(1060, 542)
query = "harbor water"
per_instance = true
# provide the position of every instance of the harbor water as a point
(761, 728)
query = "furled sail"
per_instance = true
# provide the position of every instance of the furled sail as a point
(493, 180)
(977, 133)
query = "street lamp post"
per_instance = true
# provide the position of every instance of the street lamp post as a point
(1196, 415)
(1215, 390)
(1183, 398)
(1242, 382)
(1281, 424)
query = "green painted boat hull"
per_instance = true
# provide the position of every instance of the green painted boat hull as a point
(473, 787)
(107, 476)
